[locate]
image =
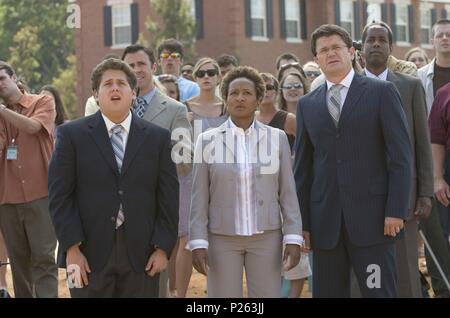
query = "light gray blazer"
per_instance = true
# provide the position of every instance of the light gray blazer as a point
(170, 114)
(214, 188)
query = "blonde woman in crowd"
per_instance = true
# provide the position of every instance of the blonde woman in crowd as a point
(293, 86)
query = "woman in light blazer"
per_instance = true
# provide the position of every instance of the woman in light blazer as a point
(244, 205)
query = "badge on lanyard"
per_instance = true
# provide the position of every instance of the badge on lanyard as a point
(12, 152)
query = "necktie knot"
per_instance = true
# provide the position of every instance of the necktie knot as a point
(117, 129)
(336, 88)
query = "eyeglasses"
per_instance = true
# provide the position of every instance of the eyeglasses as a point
(334, 48)
(173, 55)
(201, 73)
(440, 35)
(293, 86)
(312, 73)
(270, 87)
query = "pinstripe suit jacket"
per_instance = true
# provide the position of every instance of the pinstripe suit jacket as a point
(359, 171)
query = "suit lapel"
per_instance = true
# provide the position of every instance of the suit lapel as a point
(391, 77)
(157, 105)
(357, 88)
(99, 133)
(135, 139)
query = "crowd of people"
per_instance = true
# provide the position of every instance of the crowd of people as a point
(334, 171)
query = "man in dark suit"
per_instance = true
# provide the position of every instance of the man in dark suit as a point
(377, 46)
(114, 193)
(352, 171)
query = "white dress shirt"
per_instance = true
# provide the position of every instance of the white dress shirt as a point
(382, 76)
(126, 124)
(344, 90)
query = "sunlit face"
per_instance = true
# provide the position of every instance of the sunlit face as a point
(8, 85)
(270, 96)
(143, 68)
(292, 89)
(311, 72)
(169, 63)
(441, 39)
(418, 58)
(207, 77)
(171, 90)
(114, 95)
(376, 48)
(241, 99)
(333, 56)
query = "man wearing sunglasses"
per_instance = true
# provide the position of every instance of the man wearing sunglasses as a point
(171, 54)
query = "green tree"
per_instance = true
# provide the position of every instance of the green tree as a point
(45, 20)
(66, 84)
(175, 21)
(23, 55)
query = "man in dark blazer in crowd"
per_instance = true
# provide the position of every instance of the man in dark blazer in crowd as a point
(352, 171)
(114, 193)
(377, 46)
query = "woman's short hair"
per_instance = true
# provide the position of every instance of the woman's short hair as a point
(267, 77)
(244, 72)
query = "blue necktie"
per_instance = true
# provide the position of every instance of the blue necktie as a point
(119, 151)
(139, 107)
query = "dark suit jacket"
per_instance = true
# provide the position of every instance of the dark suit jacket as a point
(86, 190)
(359, 171)
(414, 105)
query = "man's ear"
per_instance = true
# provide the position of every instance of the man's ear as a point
(95, 94)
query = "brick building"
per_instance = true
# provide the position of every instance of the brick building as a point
(256, 31)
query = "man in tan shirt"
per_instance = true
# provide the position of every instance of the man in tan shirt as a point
(26, 145)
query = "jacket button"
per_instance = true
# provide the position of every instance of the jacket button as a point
(120, 192)
(113, 219)
(260, 202)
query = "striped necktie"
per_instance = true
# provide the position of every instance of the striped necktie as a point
(334, 103)
(140, 106)
(119, 151)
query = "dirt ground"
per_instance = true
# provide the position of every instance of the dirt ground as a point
(197, 286)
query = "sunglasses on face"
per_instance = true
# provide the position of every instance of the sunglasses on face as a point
(293, 86)
(312, 73)
(202, 73)
(270, 87)
(173, 55)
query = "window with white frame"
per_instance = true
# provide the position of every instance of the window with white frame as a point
(373, 11)
(401, 22)
(121, 24)
(425, 24)
(346, 13)
(258, 17)
(292, 14)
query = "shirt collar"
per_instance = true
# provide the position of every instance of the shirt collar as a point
(345, 82)
(239, 131)
(126, 124)
(382, 76)
(148, 97)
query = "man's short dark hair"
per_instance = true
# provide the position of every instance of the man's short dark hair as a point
(226, 59)
(112, 64)
(439, 22)
(381, 24)
(136, 48)
(8, 68)
(286, 56)
(327, 30)
(171, 45)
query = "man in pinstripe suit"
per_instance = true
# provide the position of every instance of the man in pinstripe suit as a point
(352, 171)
